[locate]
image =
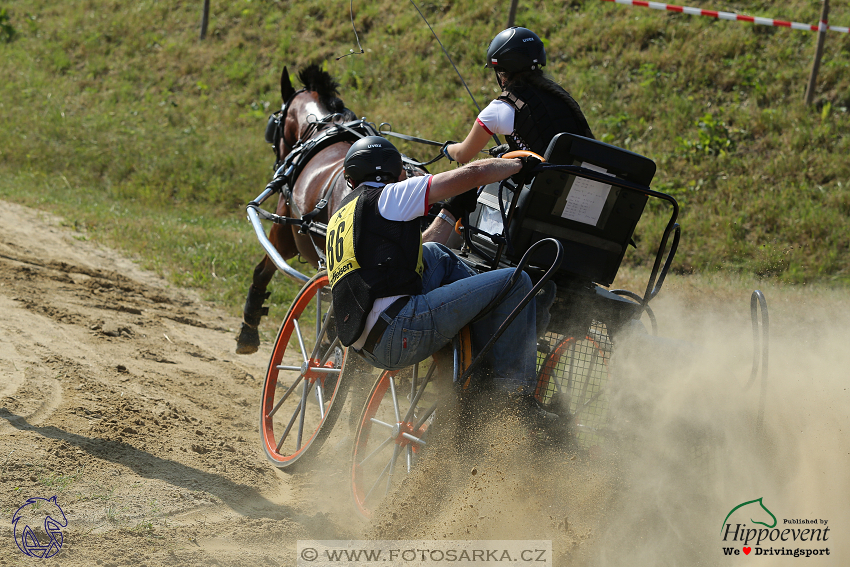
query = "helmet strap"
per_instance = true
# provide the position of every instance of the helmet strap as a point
(498, 79)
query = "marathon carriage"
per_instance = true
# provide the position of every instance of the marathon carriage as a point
(572, 225)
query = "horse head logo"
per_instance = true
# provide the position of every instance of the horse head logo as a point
(37, 526)
(763, 507)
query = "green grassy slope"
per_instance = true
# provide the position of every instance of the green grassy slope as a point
(116, 115)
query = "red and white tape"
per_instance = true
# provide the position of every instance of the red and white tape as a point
(731, 16)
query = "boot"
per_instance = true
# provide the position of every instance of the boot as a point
(248, 340)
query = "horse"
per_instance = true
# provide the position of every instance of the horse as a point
(322, 175)
(304, 116)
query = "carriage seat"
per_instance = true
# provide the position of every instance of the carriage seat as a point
(593, 219)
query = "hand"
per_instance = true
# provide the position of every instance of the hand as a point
(445, 150)
(463, 203)
(497, 151)
(527, 173)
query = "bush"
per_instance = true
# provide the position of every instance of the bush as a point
(7, 32)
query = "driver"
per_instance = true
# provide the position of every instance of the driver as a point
(532, 108)
(397, 300)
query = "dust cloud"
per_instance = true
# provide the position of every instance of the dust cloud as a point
(689, 445)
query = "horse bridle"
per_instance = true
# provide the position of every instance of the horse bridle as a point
(275, 126)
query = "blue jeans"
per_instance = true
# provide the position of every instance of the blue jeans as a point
(452, 295)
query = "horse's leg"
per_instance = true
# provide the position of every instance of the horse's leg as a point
(248, 340)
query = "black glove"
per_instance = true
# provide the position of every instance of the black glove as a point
(463, 203)
(497, 151)
(527, 173)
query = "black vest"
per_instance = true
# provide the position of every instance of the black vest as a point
(540, 115)
(369, 257)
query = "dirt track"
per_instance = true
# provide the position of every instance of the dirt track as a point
(122, 397)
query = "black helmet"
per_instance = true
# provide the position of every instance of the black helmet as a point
(372, 158)
(516, 49)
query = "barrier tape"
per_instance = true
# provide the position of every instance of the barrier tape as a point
(731, 16)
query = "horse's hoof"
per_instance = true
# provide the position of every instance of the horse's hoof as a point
(248, 341)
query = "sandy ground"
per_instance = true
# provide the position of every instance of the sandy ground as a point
(121, 396)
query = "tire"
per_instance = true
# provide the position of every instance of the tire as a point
(397, 421)
(290, 435)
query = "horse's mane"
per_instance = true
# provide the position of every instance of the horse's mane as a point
(321, 82)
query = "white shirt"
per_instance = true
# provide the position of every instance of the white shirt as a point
(402, 201)
(497, 118)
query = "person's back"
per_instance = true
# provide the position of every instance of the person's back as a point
(532, 108)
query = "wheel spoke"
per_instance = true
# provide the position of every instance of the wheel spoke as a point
(375, 452)
(395, 400)
(413, 380)
(390, 473)
(319, 322)
(377, 480)
(379, 422)
(409, 415)
(300, 339)
(288, 427)
(321, 399)
(410, 437)
(286, 395)
(307, 388)
(320, 331)
(425, 417)
(329, 352)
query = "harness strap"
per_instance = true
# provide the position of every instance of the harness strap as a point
(511, 99)
(320, 206)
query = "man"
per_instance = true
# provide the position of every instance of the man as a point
(397, 300)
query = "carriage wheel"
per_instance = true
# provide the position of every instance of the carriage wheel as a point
(304, 393)
(574, 378)
(397, 421)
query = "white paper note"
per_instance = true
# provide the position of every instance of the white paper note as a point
(586, 198)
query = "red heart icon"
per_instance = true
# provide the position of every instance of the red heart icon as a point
(747, 550)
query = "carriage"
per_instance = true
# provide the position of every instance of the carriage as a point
(572, 225)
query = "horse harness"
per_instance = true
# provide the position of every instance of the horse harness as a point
(318, 135)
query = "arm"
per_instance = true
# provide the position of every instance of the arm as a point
(440, 230)
(475, 141)
(481, 172)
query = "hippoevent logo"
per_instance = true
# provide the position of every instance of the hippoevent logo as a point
(37, 526)
(786, 538)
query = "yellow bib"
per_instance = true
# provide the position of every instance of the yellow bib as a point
(339, 244)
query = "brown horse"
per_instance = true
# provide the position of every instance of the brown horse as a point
(306, 115)
(304, 112)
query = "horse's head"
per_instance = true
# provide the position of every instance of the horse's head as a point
(318, 100)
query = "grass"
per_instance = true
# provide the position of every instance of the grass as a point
(59, 482)
(118, 117)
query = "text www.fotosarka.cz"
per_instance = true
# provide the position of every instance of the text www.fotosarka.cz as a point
(424, 553)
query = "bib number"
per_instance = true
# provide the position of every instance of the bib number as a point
(339, 244)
